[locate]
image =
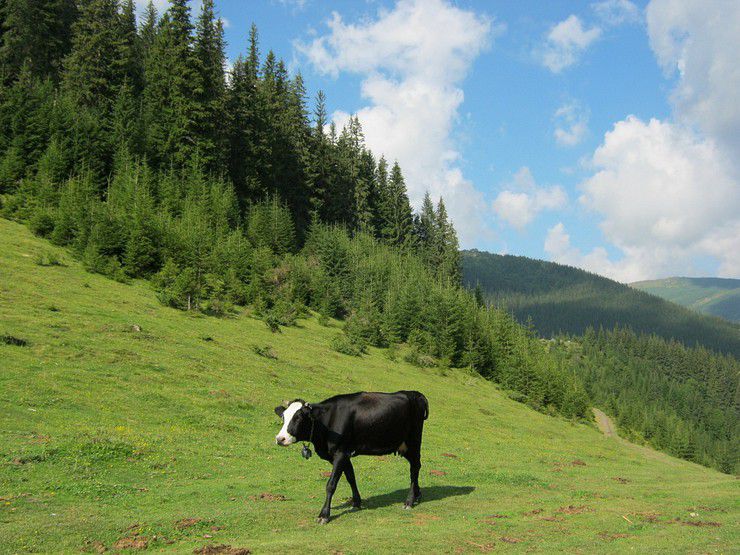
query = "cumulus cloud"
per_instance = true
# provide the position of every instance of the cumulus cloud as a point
(521, 203)
(616, 12)
(668, 192)
(412, 59)
(565, 42)
(666, 196)
(700, 41)
(571, 124)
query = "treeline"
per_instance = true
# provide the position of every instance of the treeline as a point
(561, 299)
(130, 144)
(685, 401)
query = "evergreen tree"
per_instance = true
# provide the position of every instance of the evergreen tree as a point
(93, 71)
(395, 210)
(37, 34)
(210, 97)
(171, 82)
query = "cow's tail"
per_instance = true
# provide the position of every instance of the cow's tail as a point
(423, 404)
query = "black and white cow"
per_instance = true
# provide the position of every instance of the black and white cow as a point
(358, 424)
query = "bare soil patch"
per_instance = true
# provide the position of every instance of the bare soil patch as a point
(449, 455)
(511, 539)
(187, 523)
(437, 472)
(574, 510)
(611, 537)
(132, 542)
(533, 512)
(267, 496)
(212, 549)
(621, 480)
(698, 523)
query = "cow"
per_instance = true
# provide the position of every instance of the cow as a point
(363, 423)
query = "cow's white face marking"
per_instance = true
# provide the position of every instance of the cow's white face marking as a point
(284, 438)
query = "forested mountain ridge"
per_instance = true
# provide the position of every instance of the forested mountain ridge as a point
(563, 299)
(711, 296)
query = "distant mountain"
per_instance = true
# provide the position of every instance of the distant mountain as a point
(712, 296)
(560, 298)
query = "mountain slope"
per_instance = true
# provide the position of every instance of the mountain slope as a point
(560, 298)
(711, 296)
(162, 435)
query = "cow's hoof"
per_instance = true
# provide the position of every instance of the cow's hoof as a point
(322, 520)
(407, 506)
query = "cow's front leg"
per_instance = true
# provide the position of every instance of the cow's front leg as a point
(349, 472)
(340, 459)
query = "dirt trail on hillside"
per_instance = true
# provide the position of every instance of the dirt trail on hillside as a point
(604, 422)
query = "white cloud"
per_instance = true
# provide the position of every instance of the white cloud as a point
(565, 42)
(617, 12)
(518, 207)
(701, 40)
(668, 192)
(412, 59)
(666, 197)
(571, 124)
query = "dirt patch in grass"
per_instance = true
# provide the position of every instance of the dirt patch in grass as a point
(94, 546)
(574, 510)
(698, 523)
(187, 523)
(533, 512)
(483, 547)
(578, 462)
(212, 549)
(437, 472)
(511, 539)
(611, 537)
(132, 542)
(621, 480)
(449, 455)
(648, 516)
(552, 519)
(326, 473)
(267, 496)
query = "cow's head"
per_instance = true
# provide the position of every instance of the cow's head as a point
(296, 422)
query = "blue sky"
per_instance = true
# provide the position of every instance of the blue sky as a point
(602, 134)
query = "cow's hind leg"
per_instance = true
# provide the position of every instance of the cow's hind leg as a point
(349, 473)
(414, 457)
(340, 460)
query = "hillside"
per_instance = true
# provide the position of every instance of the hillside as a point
(560, 298)
(711, 296)
(115, 435)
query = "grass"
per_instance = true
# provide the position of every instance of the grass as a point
(129, 424)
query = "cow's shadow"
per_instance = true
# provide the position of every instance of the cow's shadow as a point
(428, 494)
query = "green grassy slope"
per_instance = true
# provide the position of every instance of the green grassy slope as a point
(561, 298)
(712, 296)
(115, 435)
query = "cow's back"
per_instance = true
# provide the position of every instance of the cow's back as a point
(374, 423)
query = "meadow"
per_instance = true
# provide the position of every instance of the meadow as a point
(130, 425)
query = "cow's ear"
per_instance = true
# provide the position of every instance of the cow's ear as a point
(279, 410)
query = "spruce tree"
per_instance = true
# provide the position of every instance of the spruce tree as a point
(93, 70)
(37, 33)
(210, 97)
(171, 83)
(397, 219)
